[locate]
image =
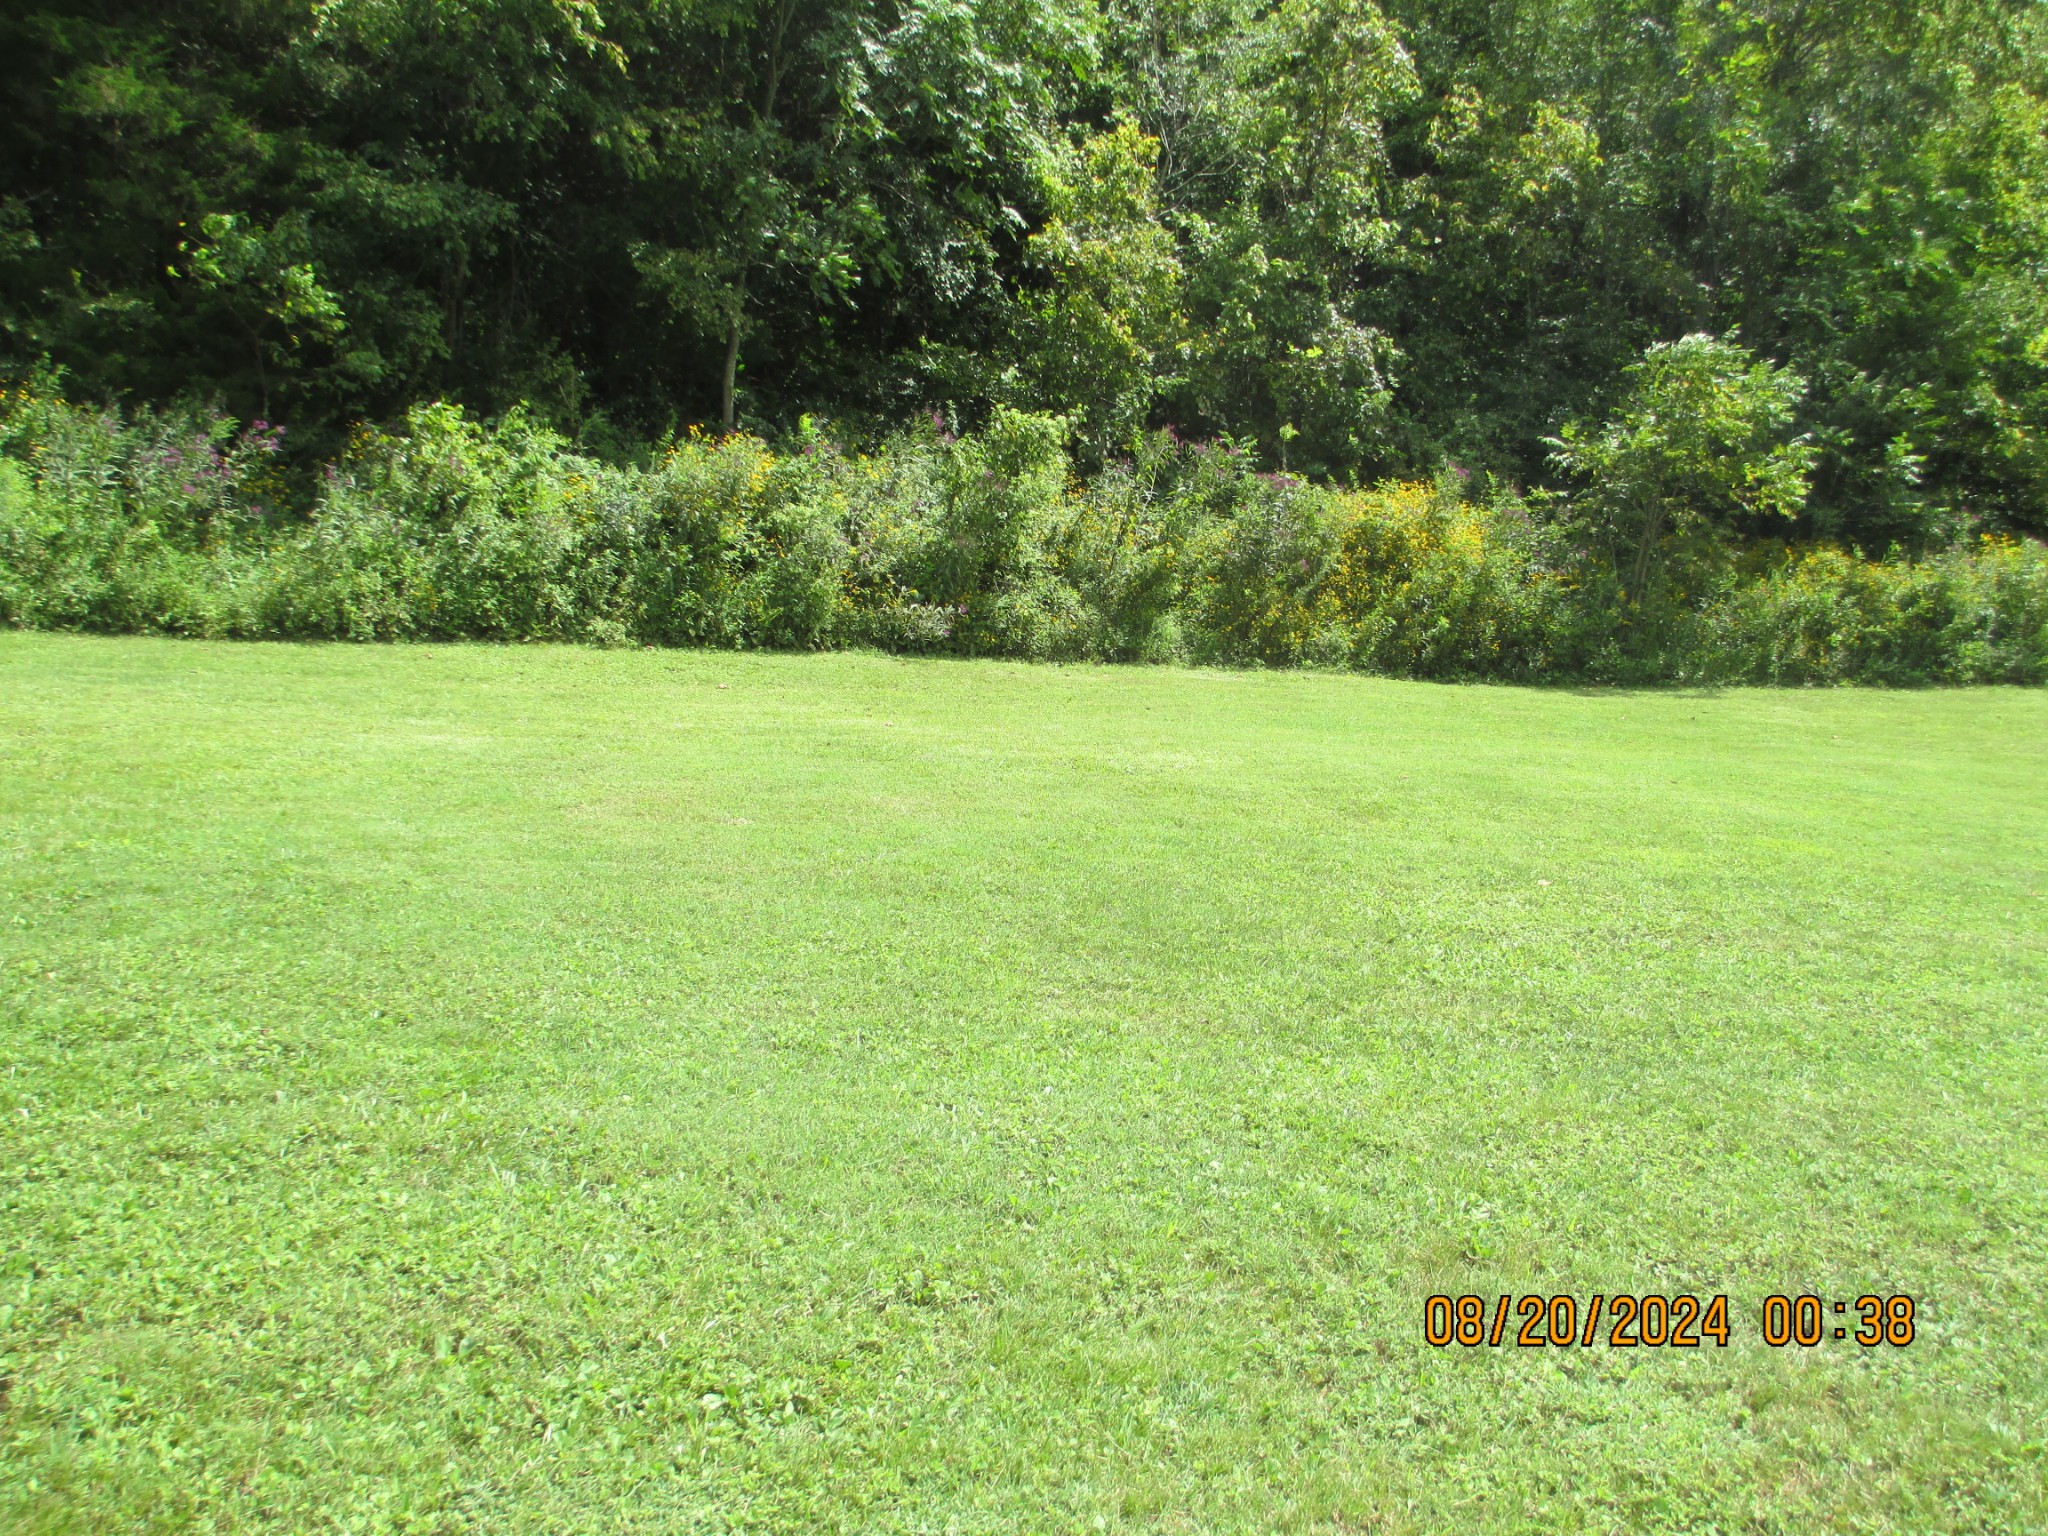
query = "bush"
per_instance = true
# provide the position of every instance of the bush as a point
(180, 522)
(1701, 442)
(724, 543)
(121, 524)
(1974, 614)
(951, 542)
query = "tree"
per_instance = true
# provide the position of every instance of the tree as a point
(1367, 236)
(1699, 443)
(780, 198)
(1103, 323)
(1272, 150)
(277, 303)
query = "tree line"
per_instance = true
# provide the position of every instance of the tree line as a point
(1353, 240)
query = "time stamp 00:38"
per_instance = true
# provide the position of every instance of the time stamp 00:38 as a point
(1659, 1322)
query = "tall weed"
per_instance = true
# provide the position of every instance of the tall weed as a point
(183, 522)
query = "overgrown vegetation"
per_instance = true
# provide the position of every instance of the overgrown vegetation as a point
(1363, 241)
(986, 544)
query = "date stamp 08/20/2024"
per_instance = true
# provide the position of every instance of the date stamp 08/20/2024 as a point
(1659, 1322)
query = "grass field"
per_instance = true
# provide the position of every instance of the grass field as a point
(546, 1090)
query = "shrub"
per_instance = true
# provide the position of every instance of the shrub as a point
(952, 544)
(1429, 584)
(1974, 614)
(741, 547)
(116, 523)
(1129, 546)
(1258, 574)
(180, 522)
(1700, 441)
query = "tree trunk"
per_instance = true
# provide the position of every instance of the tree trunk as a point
(1652, 525)
(732, 364)
(769, 89)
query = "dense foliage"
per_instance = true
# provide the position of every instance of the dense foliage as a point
(986, 544)
(1363, 240)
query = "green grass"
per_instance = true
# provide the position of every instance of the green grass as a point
(545, 1090)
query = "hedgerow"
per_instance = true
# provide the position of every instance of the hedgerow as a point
(182, 522)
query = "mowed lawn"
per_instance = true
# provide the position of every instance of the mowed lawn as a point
(450, 1088)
